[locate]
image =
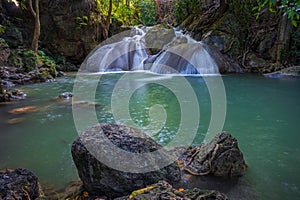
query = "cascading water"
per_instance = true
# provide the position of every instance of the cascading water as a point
(183, 55)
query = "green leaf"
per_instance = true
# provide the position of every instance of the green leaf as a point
(85, 18)
(255, 8)
(294, 22)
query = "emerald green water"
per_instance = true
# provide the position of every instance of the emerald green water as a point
(263, 114)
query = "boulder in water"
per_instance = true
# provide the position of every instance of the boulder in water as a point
(100, 179)
(158, 36)
(220, 157)
(66, 95)
(18, 184)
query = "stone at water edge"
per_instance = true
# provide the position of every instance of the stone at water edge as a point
(285, 73)
(100, 179)
(220, 157)
(18, 184)
(163, 190)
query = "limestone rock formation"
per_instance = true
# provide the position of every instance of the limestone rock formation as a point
(100, 179)
(220, 157)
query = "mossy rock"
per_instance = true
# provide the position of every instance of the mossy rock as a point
(28, 60)
(15, 59)
(4, 52)
(158, 36)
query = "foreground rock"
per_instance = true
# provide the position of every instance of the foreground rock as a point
(18, 184)
(285, 73)
(100, 179)
(220, 157)
(163, 190)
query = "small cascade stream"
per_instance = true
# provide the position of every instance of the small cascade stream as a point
(180, 55)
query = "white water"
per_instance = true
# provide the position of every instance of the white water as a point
(183, 55)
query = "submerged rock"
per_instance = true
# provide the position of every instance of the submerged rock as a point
(163, 190)
(220, 157)
(100, 179)
(26, 109)
(18, 184)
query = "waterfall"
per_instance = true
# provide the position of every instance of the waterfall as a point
(183, 55)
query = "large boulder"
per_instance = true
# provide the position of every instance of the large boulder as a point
(90, 151)
(220, 157)
(18, 184)
(158, 36)
(163, 190)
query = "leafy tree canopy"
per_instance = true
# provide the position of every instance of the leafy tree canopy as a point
(291, 8)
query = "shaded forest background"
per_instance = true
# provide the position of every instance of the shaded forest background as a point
(253, 35)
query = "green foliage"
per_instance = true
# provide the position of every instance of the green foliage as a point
(82, 21)
(289, 55)
(127, 15)
(134, 13)
(47, 62)
(242, 9)
(2, 29)
(184, 8)
(147, 11)
(291, 8)
(181, 11)
(29, 60)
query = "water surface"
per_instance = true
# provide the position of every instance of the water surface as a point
(263, 114)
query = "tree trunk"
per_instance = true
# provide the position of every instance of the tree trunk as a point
(223, 7)
(37, 26)
(107, 24)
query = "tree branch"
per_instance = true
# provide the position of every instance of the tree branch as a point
(31, 8)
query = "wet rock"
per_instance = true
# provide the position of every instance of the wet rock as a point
(66, 95)
(220, 157)
(163, 190)
(285, 73)
(100, 179)
(18, 184)
(11, 95)
(256, 64)
(158, 36)
(60, 74)
(72, 190)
